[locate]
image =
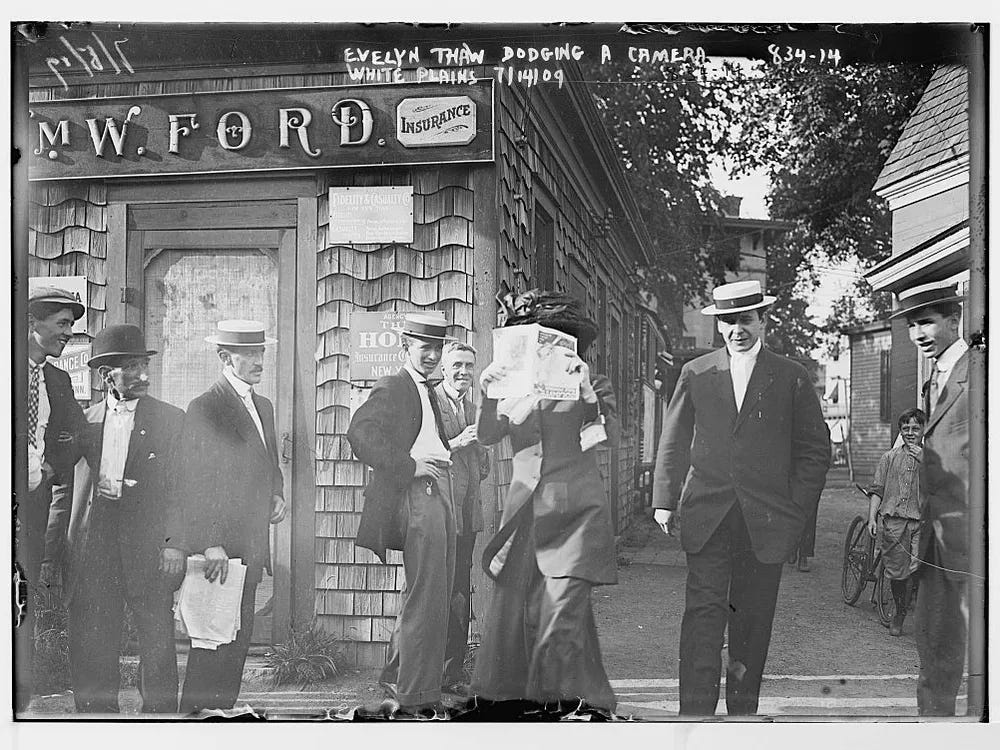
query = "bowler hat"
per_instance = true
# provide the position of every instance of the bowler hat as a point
(737, 297)
(912, 300)
(54, 295)
(240, 333)
(431, 326)
(117, 342)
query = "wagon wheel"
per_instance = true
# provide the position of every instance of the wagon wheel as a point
(856, 561)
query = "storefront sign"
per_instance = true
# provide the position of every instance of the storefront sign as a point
(75, 285)
(74, 361)
(375, 350)
(273, 129)
(439, 121)
(361, 215)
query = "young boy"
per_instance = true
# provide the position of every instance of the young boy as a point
(895, 498)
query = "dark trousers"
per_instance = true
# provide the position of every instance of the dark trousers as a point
(416, 649)
(213, 678)
(96, 614)
(458, 622)
(807, 542)
(32, 518)
(726, 584)
(941, 637)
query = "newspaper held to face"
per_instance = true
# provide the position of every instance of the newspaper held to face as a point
(537, 361)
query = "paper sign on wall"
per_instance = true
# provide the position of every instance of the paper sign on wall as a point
(370, 215)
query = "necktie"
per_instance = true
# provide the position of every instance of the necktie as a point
(33, 404)
(438, 422)
(934, 391)
(254, 417)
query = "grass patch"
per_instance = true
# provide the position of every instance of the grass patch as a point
(309, 656)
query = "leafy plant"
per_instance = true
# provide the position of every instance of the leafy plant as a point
(308, 656)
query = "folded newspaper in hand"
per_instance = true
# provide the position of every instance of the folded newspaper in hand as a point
(536, 359)
(209, 612)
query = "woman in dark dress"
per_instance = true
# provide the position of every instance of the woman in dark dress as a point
(555, 540)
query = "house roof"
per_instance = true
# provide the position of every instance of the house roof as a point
(937, 131)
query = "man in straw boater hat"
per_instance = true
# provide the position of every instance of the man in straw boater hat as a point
(934, 318)
(399, 432)
(229, 490)
(114, 528)
(741, 464)
(53, 424)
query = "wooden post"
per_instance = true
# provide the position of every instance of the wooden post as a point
(976, 316)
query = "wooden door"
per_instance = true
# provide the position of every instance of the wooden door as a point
(188, 266)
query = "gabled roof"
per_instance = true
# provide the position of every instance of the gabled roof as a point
(937, 131)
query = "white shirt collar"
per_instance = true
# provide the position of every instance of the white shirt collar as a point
(453, 394)
(33, 363)
(243, 388)
(418, 377)
(113, 402)
(951, 355)
(750, 354)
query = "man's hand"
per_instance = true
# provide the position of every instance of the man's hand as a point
(278, 509)
(172, 561)
(216, 564)
(872, 526)
(432, 468)
(665, 520)
(465, 438)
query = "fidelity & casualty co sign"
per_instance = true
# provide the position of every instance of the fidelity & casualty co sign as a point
(273, 129)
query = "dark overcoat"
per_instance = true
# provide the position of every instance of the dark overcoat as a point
(381, 433)
(772, 456)
(65, 416)
(945, 477)
(227, 479)
(141, 511)
(558, 485)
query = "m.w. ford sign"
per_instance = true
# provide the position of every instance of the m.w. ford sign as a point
(438, 121)
(272, 129)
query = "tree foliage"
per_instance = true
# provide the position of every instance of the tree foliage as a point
(664, 124)
(823, 136)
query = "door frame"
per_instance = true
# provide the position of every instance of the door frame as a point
(271, 212)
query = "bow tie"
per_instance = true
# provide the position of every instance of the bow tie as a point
(433, 383)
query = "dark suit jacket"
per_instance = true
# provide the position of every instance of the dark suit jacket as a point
(226, 479)
(140, 513)
(945, 478)
(65, 416)
(381, 433)
(470, 465)
(773, 455)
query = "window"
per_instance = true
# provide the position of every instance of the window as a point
(544, 238)
(885, 385)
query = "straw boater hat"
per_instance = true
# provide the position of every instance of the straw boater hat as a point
(426, 326)
(911, 300)
(54, 295)
(118, 342)
(231, 333)
(738, 297)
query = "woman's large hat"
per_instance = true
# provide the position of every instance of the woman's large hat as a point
(118, 342)
(738, 297)
(912, 300)
(432, 326)
(231, 333)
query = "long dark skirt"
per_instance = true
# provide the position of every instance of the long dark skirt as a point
(540, 642)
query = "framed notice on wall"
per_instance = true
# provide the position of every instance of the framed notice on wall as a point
(370, 215)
